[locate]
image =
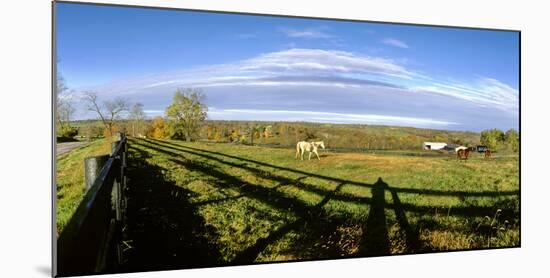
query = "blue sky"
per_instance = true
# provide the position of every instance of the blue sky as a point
(275, 68)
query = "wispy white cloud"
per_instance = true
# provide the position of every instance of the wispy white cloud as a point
(323, 117)
(395, 42)
(288, 67)
(307, 33)
(324, 79)
(315, 67)
(487, 92)
(153, 112)
(328, 61)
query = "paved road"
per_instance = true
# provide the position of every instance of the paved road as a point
(62, 148)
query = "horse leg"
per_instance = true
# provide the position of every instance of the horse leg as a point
(302, 155)
(309, 155)
(317, 155)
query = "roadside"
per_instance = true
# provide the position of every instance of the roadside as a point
(62, 148)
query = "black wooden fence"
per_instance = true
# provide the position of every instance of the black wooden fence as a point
(91, 241)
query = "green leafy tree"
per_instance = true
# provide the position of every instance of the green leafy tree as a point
(492, 138)
(512, 140)
(186, 113)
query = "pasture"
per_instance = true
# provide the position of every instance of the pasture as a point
(70, 178)
(199, 204)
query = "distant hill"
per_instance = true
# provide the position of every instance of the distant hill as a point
(335, 136)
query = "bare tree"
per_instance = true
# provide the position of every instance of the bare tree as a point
(109, 112)
(64, 106)
(137, 116)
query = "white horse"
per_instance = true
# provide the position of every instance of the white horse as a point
(310, 147)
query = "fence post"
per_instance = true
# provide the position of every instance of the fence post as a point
(113, 147)
(92, 168)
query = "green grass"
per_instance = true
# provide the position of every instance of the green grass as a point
(250, 203)
(70, 179)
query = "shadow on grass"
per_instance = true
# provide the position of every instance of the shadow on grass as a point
(313, 223)
(157, 203)
(469, 210)
(334, 179)
(163, 229)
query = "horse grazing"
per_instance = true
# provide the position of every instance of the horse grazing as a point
(310, 147)
(462, 154)
(487, 153)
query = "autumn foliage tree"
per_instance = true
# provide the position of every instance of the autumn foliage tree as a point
(158, 129)
(186, 113)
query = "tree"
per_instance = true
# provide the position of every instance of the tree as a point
(91, 131)
(512, 139)
(186, 113)
(492, 138)
(268, 132)
(109, 112)
(137, 116)
(64, 107)
(253, 131)
(159, 129)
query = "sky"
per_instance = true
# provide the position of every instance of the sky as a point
(292, 69)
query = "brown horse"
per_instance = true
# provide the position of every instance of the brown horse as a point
(462, 154)
(488, 153)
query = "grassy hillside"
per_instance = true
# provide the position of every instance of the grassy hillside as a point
(209, 203)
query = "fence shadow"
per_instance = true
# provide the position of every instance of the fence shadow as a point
(163, 230)
(455, 193)
(315, 228)
(471, 210)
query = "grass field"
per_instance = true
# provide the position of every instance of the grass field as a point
(70, 179)
(198, 204)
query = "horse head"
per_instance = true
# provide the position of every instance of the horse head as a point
(322, 144)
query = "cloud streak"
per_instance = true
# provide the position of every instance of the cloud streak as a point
(323, 117)
(338, 84)
(395, 42)
(308, 33)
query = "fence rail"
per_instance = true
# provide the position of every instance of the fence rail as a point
(91, 241)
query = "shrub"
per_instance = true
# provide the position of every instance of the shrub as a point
(158, 129)
(67, 131)
(92, 131)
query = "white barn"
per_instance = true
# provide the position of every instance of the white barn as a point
(433, 145)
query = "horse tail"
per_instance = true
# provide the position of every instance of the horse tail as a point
(297, 149)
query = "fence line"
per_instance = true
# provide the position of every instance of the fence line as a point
(91, 241)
